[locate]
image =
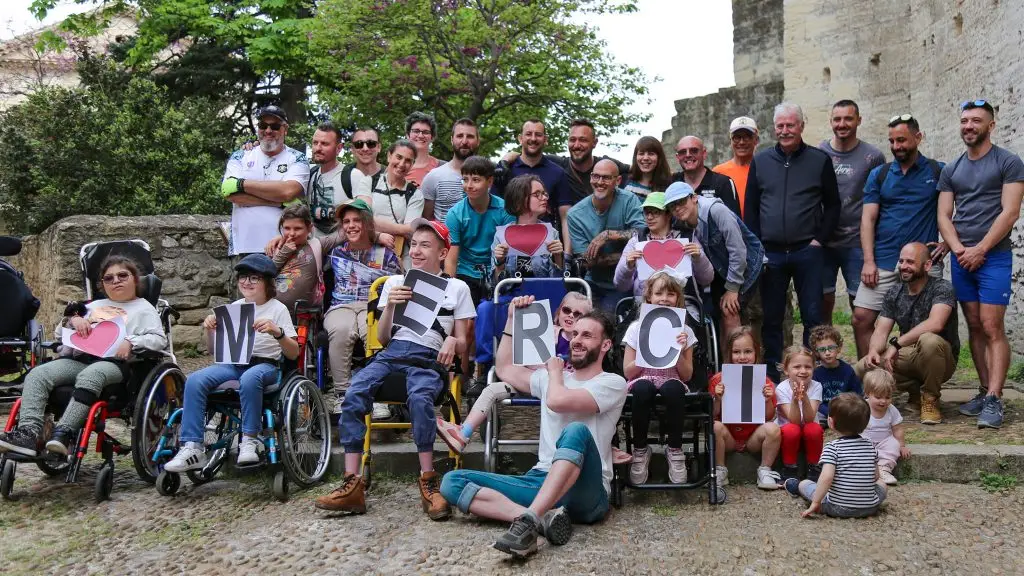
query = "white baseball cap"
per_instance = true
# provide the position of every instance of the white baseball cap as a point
(743, 123)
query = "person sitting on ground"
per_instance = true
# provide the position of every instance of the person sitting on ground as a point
(661, 289)
(848, 486)
(119, 281)
(835, 375)
(275, 335)
(425, 362)
(742, 348)
(298, 258)
(797, 399)
(572, 479)
(649, 171)
(885, 429)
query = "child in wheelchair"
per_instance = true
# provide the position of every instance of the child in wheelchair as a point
(275, 334)
(119, 277)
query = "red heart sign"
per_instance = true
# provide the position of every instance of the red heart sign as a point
(526, 238)
(660, 254)
(98, 341)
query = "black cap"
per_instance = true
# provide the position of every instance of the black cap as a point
(273, 111)
(258, 263)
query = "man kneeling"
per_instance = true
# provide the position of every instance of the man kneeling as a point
(423, 360)
(574, 469)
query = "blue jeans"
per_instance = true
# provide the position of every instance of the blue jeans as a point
(490, 320)
(807, 488)
(586, 501)
(252, 380)
(803, 266)
(848, 260)
(422, 385)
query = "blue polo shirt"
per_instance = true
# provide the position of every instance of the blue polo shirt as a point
(473, 233)
(908, 207)
(552, 175)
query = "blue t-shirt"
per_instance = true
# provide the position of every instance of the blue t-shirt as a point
(835, 381)
(585, 223)
(908, 208)
(473, 232)
(555, 181)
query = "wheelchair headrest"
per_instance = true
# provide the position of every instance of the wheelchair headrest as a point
(149, 287)
(10, 246)
(93, 255)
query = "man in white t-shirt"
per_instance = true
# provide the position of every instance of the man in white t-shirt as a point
(259, 181)
(327, 189)
(424, 360)
(572, 479)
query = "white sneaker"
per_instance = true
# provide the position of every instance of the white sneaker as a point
(248, 451)
(638, 469)
(887, 477)
(191, 456)
(381, 411)
(768, 479)
(676, 465)
(721, 476)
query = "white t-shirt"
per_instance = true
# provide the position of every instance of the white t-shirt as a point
(266, 346)
(335, 190)
(784, 395)
(632, 337)
(881, 428)
(457, 299)
(393, 207)
(253, 226)
(608, 390)
(443, 185)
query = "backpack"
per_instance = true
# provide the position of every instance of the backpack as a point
(884, 172)
(346, 180)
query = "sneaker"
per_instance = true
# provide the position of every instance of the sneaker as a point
(676, 465)
(790, 471)
(521, 538)
(434, 504)
(973, 406)
(20, 441)
(638, 469)
(887, 477)
(336, 408)
(721, 476)
(991, 414)
(381, 411)
(191, 456)
(249, 451)
(476, 387)
(930, 410)
(792, 486)
(768, 479)
(620, 457)
(556, 526)
(60, 442)
(813, 472)
(349, 497)
(452, 435)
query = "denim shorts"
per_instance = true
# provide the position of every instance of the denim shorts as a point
(850, 260)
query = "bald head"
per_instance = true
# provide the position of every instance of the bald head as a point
(691, 155)
(606, 166)
(689, 141)
(914, 263)
(918, 250)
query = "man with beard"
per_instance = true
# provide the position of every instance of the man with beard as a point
(572, 479)
(924, 355)
(442, 186)
(258, 182)
(325, 180)
(691, 155)
(901, 202)
(984, 185)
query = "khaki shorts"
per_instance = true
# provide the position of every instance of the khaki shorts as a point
(871, 298)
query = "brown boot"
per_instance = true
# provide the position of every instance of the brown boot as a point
(434, 504)
(930, 413)
(349, 497)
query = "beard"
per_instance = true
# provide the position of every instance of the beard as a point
(463, 153)
(270, 145)
(589, 358)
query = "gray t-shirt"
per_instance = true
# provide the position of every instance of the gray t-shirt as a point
(909, 310)
(852, 169)
(444, 186)
(977, 187)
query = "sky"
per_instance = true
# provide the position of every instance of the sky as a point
(685, 44)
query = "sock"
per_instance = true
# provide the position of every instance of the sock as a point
(467, 431)
(74, 415)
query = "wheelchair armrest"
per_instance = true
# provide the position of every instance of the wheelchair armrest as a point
(305, 307)
(169, 312)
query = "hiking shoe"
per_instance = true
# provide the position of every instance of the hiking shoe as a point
(452, 435)
(556, 526)
(249, 451)
(813, 472)
(639, 468)
(991, 414)
(60, 442)
(930, 413)
(381, 411)
(521, 538)
(768, 479)
(792, 486)
(20, 441)
(721, 476)
(349, 497)
(191, 456)
(434, 504)
(887, 477)
(790, 471)
(620, 457)
(676, 465)
(973, 406)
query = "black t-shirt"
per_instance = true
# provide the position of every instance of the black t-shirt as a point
(580, 181)
(715, 185)
(909, 310)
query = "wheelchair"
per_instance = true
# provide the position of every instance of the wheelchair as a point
(21, 336)
(154, 387)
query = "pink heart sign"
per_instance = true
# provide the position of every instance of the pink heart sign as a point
(660, 254)
(526, 238)
(100, 339)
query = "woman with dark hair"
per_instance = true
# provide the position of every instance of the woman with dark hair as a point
(649, 171)
(396, 199)
(119, 281)
(421, 129)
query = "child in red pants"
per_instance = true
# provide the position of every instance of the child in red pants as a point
(796, 400)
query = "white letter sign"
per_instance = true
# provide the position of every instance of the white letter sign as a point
(743, 400)
(419, 313)
(659, 326)
(533, 334)
(235, 335)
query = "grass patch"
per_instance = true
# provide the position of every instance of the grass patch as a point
(188, 351)
(184, 531)
(841, 318)
(997, 483)
(665, 510)
(1016, 372)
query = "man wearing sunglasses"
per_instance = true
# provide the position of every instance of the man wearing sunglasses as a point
(329, 177)
(691, 155)
(259, 181)
(979, 202)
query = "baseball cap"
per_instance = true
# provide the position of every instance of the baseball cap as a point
(677, 191)
(743, 123)
(355, 204)
(440, 229)
(655, 200)
(275, 111)
(258, 263)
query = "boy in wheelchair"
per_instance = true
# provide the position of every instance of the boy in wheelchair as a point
(119, 277)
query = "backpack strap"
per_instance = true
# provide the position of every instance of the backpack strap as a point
(936, 169)
(314, 173)
(318, 255)
(883, 174)
(346, 179)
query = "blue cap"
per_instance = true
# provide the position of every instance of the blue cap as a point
(257, 263)
(677, 191)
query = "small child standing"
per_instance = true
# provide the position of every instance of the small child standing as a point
(849, 486)
(835, 375)
(885, 429)
(797, 399)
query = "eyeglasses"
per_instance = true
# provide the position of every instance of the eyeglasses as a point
(250, 279)
(359, 144)
(265, 126)
(979, 103)
(602, 178)
(829, 348)
(900, 119)
(540, 194)
(120, 277)
(420, 132)
(690, 151)
(566, 311)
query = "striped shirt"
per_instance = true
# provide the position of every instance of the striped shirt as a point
(856, 461)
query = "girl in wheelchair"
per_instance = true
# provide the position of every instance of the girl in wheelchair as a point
(275, 334)
(119, 279)
(670, 383)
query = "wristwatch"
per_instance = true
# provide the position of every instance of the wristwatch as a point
(281, 336)
(895, 343)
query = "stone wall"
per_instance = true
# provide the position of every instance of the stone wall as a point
(189, 254)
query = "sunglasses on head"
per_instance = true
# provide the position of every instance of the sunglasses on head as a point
(265, 126)
(570, 312)
(979, 103)
(120, 276)
(900, 119)
(359, 144)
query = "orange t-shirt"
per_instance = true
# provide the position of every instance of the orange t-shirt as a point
(740, 432)
(739, 177)
(416, 175)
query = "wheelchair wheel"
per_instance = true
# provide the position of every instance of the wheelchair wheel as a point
(279, 486)
(104, 483)
(160, 395)
(716, 495)
(305, 431)
(167, 483)
(7, 479)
